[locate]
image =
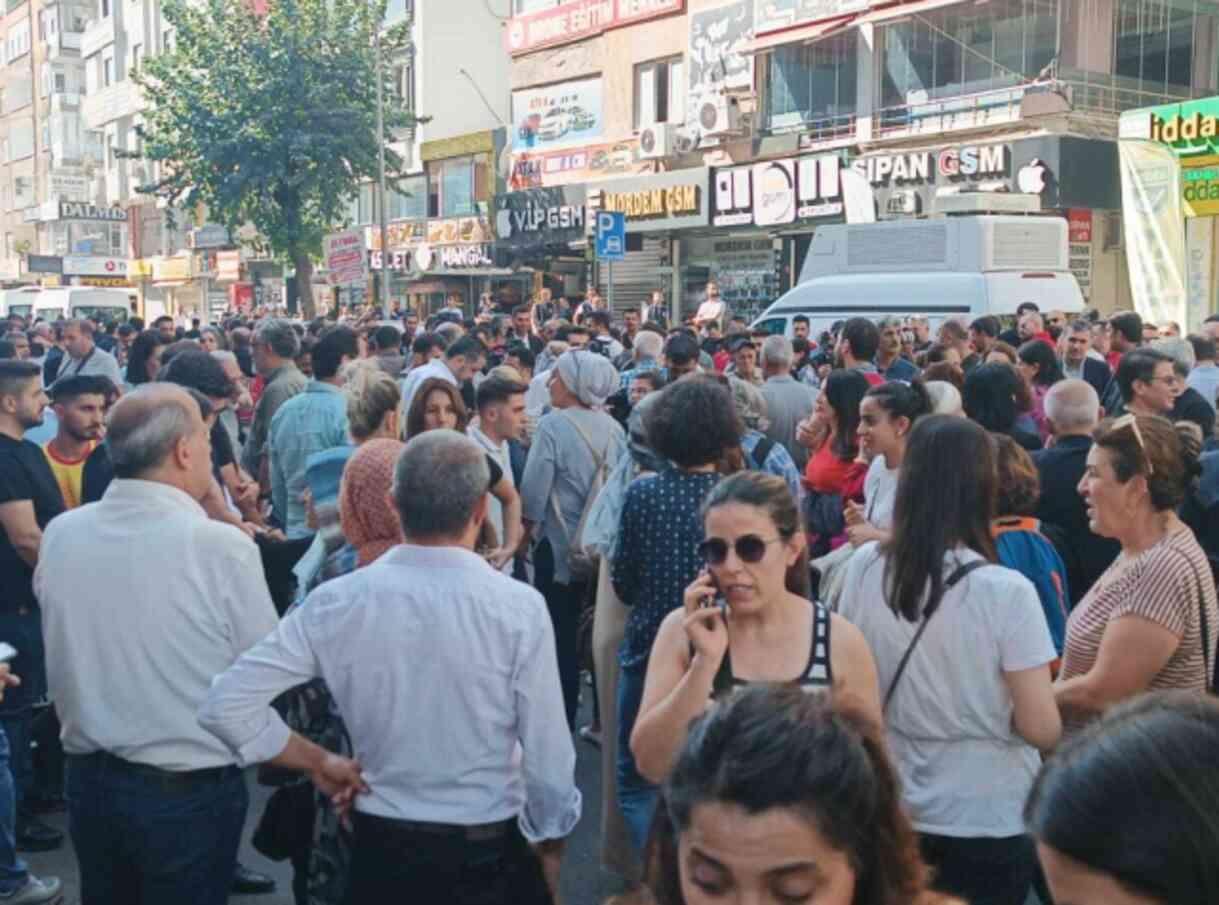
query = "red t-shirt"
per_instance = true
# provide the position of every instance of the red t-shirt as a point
(825, 472)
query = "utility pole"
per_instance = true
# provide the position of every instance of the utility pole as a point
(384, 219)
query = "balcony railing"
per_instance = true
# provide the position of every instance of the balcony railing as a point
(967, 111)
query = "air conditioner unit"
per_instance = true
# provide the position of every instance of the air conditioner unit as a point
(720, 115)
(658, 140)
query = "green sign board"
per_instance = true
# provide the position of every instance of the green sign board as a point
(1191, 129)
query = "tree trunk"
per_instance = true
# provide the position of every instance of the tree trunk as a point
(304, 284)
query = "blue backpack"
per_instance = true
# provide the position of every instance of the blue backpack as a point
(1021, 546)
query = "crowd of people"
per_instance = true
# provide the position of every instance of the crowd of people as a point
(865, 617)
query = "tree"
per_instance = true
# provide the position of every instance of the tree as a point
(267, 114)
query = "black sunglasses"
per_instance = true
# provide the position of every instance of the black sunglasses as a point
(749, 548)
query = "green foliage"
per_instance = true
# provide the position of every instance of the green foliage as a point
(268, 118)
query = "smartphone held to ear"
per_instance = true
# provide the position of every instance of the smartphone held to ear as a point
(719, 600)
(7, 652)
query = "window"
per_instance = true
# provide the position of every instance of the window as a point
(61, 82)
(20, 93)
(18, 42)
(1154, 43)
(107, 71)
(20, 140)
(810, 83)
(660, 92)
(411, 202)
(967, 49)
(459, 186)
(137, 53)
(105, 9)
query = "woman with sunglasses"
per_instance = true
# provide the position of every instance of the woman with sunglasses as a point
(746, 618)
(1150, 621)
(963, 655)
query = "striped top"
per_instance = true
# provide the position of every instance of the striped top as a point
(1164, 584)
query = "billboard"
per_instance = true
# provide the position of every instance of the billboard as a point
(557, 116)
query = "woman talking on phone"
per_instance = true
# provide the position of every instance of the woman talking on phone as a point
(746, 618)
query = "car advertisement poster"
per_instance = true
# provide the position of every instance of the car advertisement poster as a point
(557, 116)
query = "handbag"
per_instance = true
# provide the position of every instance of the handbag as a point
(930, 610)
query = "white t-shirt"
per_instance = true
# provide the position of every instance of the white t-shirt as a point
(964, 771)
(880, 493)
(495, 509)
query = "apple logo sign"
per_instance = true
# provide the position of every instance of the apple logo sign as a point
(423, 257)
(503, 224)
(1033, 177)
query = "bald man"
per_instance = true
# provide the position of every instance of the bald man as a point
(1073, 410)
(157, 804)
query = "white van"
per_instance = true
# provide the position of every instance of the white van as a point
(19, 301)
(957, 267)
(83, 301)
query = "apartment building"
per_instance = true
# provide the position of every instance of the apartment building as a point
(761, 106)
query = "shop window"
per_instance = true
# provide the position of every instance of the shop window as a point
(660, 92)
(811, 83)
(967, 49)
(459, 186)
(1154, 43)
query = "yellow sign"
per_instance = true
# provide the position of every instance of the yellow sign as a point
(102, 281)
(675, 201)
(1200, 186)
(51, 282)
(171, 269)
(139, 267)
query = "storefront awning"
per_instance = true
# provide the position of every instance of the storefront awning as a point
(894, 11)
(804, 34)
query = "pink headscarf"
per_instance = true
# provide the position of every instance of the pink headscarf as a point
(370, 523)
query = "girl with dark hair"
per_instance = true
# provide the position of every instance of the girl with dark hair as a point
(778, 796)
(886, 416)
(1124, 813)
(963, 655)
(746, 618)
(1149, 623)
(1040, 370)
(990, 399)
(144, 358)
(833, 474)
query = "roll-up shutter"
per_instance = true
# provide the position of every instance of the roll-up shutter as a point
(638, 275)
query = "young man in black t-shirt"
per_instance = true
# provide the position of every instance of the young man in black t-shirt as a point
(29, 499)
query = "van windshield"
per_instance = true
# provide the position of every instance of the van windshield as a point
(101, 313)
(21, 310)
(51, 314)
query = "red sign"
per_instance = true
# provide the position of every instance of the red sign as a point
(576, 20)
(1079, 226)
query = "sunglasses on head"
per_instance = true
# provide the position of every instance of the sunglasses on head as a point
(749, 548)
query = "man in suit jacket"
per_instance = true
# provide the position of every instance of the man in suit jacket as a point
(1077, 363)
(1072, 408)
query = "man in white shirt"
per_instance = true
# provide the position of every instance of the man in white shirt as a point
(446, 674)
(156, 804)
(84, 356)
(711, 311)
(501, 417)
(462, 360)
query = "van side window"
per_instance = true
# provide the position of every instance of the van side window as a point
(772, 325)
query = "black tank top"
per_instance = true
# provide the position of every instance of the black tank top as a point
(817, 675)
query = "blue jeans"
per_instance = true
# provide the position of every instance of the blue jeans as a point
(143, 839)
(636, 796)
(13, 873)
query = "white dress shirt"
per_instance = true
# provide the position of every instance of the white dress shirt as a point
(445, 673)
(144, 601)
(415, 378)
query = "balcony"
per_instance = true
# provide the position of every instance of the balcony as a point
(120, 100)
(65, 45)
(98, 34)
(65, 102)
(952, 114)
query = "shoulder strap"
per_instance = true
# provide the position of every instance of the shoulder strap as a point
(598, 466)
(761, 452)
(1204, 631)
(953, 580)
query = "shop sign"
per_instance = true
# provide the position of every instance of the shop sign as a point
(1200, 188)
(458, 229)
(399, 260)
(90, 265)
(541, 216)
(398, 234)
(71, 184)
(210, 235)
(1191, 128)
(139, 267)
(666, 201)
(43, 264)
(970, 161)
(345, 259)
(557, 116)
(551, 168)
(773, 15)
(79, 210)
(171, 269)
(228, 266)
(462, 257)
(575, 20)
(1079, 225)
(779, 191)
(108, 282)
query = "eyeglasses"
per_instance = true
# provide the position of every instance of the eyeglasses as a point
(749, 548)
(1132, 422)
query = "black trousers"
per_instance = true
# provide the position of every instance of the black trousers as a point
(981, 871)
(565, 603)
(394, 863)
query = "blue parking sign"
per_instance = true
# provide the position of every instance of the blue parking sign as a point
(611, 236)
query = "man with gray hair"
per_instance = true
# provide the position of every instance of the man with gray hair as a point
(156, 804)
(1072, 410)
(275, 348)
(470, 766)
(645, 356)
(788, 401)
(1189, 404)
